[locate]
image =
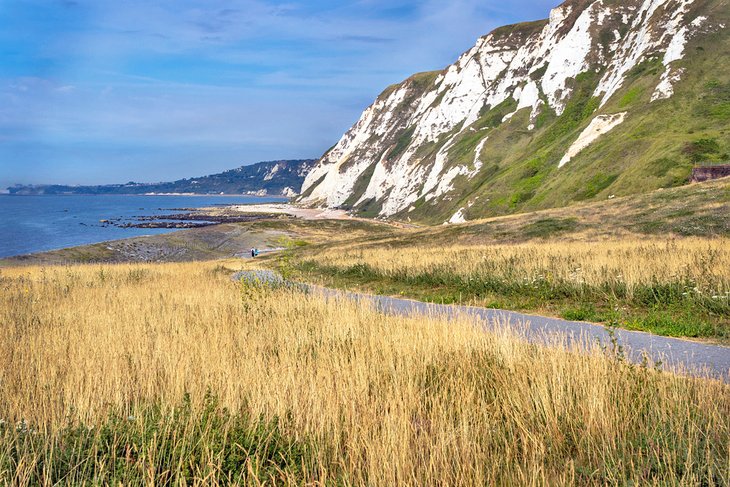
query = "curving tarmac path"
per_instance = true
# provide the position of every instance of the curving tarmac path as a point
(697, 358)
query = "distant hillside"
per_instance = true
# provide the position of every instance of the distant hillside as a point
(264, 178)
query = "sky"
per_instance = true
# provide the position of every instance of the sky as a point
(110, 91)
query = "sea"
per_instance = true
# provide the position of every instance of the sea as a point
(47, 222)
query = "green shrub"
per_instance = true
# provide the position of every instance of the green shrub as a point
(595, 185)
(701, 149)
(547, 227)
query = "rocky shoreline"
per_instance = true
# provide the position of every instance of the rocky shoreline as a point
(189, 219)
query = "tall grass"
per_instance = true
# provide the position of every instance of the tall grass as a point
(172, 373)
(687, 279)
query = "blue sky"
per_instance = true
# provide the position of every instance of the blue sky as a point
(102, 91)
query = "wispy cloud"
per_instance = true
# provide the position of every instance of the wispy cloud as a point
(145, 83)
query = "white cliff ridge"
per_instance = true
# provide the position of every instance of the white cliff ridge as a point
(407, 148)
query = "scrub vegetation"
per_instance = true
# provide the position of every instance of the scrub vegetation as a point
(658, 262)
(677, 287)
(172, 373)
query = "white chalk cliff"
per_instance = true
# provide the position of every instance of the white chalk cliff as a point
(402, 152)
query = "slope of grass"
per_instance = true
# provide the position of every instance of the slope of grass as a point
(658, 262)
(699, 210)
(677, 288)
(171, 373)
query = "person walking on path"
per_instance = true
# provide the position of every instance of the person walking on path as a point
(253, 252)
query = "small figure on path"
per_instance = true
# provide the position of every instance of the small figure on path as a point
(253, 252)
(256, 252)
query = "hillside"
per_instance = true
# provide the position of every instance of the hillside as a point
(265, 178)
(656, 262)
(603, 99)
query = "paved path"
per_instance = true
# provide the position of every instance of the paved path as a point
(696, 357)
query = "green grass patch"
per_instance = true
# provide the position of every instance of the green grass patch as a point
(582, 104)
(595, 185)
(369, 208)
(702, 150)
(361, 185)
(491, 117)
(463, 150)
(651, 67)
(630, 97)
(401, 143)
(660, 167)
(170, 446)
(548, 227)
(714, 103)
(673, 309)
(308, 192)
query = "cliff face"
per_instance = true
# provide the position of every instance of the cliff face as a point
(519, 120)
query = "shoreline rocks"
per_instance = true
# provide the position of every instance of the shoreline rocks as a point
(183, 220)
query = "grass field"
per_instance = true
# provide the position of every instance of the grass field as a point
(676, 287)
(171, 373)
(658, 262)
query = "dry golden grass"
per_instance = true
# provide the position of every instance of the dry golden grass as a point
(675, 287)
(705, 262)
(376, 400)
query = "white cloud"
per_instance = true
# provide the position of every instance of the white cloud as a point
(283, 79)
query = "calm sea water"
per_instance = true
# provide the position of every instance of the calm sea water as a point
(37, 223)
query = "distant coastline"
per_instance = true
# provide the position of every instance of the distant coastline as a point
(212, 195)
(38, 223)
(273, 178)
